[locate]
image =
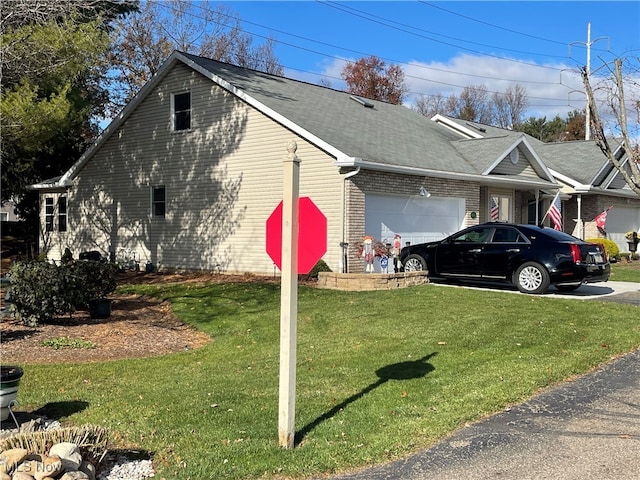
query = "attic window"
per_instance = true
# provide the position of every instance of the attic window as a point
(181, 106)
(361, 101)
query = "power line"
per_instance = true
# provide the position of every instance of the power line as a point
(165, 6)
(391, 24)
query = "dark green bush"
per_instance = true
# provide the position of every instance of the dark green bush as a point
(321, 266)
(41, 291)
(613, 252)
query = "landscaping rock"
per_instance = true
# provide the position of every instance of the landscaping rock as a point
(69, 453)
(77, 475)
(21, 476)
(9, 459)
(89, 469)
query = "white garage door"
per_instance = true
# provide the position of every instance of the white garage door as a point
(619, 221)
(417, 219)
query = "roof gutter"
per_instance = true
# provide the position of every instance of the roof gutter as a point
(482, 179)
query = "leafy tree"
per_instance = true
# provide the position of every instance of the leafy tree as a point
(544, 130)
(50, 81)
(148, 37)
(371, 78)
(575, 126)
(617, 102)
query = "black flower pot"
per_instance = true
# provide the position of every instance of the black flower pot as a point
(100, 308)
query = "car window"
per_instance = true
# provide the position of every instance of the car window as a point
(476, 235)
(507, 235)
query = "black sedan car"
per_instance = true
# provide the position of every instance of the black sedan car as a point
(527, 256)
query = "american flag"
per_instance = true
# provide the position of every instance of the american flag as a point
(554, 212)
(495, 210)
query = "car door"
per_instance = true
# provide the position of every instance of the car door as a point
(498, 254)
(460, 255)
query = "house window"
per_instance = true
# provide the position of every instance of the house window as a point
(4, 216)
(62, 214)
(48, 214)
(182, 111)
(158, 201)
(499, 208)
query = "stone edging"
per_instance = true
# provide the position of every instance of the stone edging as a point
(370, 281)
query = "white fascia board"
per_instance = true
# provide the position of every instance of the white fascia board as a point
(456, 127)
(567, 180)
(502, 156)
(330, 149)
(481, 179)
(522, 140)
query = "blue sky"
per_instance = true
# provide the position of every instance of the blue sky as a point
(445, 46)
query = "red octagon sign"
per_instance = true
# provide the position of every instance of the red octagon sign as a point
(312, 235)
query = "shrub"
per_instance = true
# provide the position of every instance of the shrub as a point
(613, 252)
(321, 266)
(99, 280)
(41, 291)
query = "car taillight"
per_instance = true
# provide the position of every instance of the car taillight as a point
(575, 253)
(604, 252)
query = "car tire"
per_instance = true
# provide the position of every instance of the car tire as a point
(532, 278)
(414, 263)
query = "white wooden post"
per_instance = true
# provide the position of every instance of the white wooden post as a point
(289, 299)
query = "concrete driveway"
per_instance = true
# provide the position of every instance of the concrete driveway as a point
(623, 292)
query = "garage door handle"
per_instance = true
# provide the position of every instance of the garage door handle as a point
(513, 250)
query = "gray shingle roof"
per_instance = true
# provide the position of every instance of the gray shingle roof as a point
(386, 134)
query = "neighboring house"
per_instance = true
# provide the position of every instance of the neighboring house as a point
(8, 212)
(187, 175)
(590, 183)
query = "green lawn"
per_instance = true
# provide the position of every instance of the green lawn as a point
(380, 374)
(626, 271)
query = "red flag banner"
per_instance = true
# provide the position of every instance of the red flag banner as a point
(601, 219)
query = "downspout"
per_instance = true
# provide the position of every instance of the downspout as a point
(343, 243)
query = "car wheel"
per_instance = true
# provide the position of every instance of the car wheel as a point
(414, 263)
(532, 277)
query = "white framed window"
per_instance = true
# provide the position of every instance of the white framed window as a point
(500, 208)
(181, 111)
(48, 214)
(62, 214)
(158, 201)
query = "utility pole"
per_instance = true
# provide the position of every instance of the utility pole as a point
(587, 115)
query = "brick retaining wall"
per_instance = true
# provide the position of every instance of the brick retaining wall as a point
(370, 281)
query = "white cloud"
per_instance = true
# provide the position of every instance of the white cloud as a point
(552, 89)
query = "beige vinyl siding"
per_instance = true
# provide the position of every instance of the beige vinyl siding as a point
(522, 168)
(223, 178)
